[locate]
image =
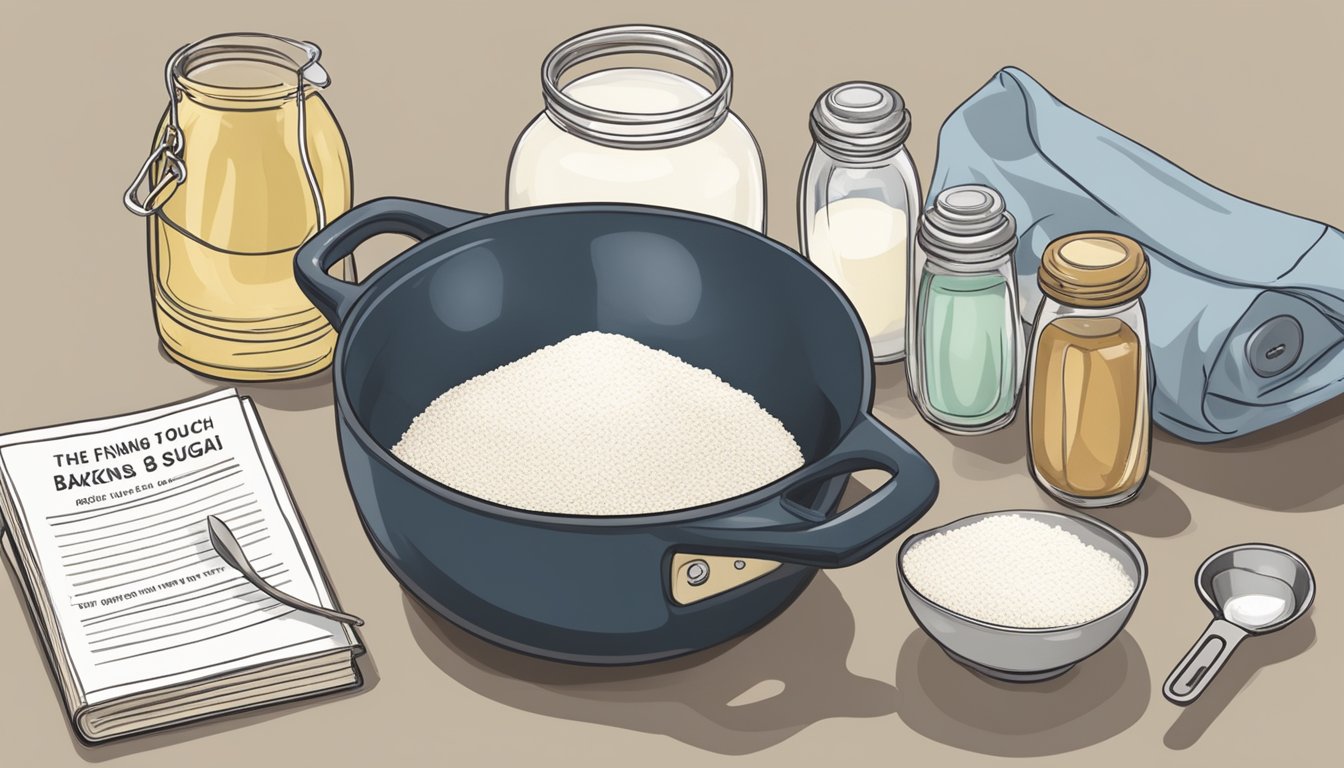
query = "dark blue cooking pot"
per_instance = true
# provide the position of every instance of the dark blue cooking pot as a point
(481, 291)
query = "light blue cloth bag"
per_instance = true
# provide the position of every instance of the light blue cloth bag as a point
(1246, 303)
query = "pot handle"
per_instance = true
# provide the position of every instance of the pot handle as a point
(385, 215)
(846, 538)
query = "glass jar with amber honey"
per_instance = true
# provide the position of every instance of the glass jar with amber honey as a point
(1088, 387)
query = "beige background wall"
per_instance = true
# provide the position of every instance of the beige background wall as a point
(1245, 94)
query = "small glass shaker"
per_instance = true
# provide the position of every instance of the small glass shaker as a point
(858, 201)
(965, 340)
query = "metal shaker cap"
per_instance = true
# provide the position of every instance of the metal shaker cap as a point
(968, 225)
(860, 120)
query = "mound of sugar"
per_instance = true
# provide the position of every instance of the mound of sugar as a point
(1017, 572)
(599, 424)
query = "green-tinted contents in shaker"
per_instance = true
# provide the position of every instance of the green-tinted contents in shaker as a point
(967, 347)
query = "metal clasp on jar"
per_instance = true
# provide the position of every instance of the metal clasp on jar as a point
(175, 171)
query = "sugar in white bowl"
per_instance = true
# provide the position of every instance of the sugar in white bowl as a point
(599, 424)
(1015, 571)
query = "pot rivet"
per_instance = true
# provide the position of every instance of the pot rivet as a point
(739, 564)
(697, 572)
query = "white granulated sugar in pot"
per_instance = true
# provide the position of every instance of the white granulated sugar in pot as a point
(599, 424)
(1017, 572)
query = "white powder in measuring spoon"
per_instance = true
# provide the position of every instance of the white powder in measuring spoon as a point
(1017, 572)
(599, 424)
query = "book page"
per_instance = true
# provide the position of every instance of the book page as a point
(114, 515)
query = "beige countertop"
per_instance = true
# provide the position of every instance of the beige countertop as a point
(431, 99)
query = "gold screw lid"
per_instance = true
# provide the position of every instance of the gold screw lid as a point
(1093, 269)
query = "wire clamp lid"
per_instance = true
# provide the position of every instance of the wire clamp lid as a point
(170, 148)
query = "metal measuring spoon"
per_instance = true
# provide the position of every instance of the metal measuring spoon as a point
(227, 547)
(1252, 589)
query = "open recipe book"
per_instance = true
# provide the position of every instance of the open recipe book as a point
(144, 625)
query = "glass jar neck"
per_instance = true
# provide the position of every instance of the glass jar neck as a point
(637, 130)
(844, 158)
(1064, 309)
(246, 72)
(986, 265)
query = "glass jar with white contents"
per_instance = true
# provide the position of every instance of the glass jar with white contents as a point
(857, 205)
(635, 134)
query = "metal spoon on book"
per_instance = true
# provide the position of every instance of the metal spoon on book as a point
(227, 547)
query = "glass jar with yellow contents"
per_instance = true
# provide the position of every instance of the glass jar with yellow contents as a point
(1088, 390)
(247, 163)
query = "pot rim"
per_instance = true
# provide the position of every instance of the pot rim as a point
(384, 282)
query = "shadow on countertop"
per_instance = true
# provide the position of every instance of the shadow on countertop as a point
(734, 699)
(301, 394)
(1254, 654)
(1289, 467)
(1001, 453)
(1096, 700)
(1157, 511)
(889, 385)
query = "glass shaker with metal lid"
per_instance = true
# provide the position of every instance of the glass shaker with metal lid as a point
(964, 338)
(639, 134)
(858, 202)
(247, 163)
(1088, 392)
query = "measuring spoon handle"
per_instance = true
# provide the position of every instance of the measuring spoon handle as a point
(1202, 662)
